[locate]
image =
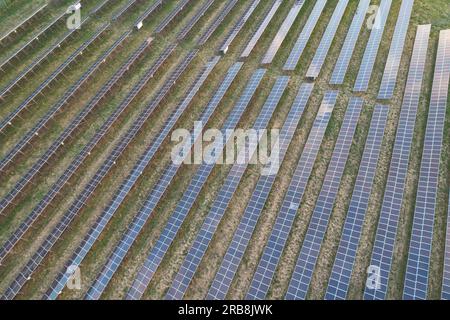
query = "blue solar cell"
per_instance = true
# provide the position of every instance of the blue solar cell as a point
(280, 232)
(395, 53)
(282, 32)
(235, 252)
(370, 55)
(351, 233)
(204, 236)
(418, 263)
(302, 41)
(349, 44)
(309, 252)
(393, 197)
(327, 39)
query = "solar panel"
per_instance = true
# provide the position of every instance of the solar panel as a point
(309, 252)
(76, 206)
(418, 263)
(282, 32)
(395, 53)
(100, 7)
(272, 251)
(13, 32)
(243, 234)
(239, 25)
(58, 105)
(393, 196)
(327, 39)
(193, 21)
(147, 13)
(8, 120)
(262, 27)
(217, 21)
(26, 179)
(339, 281)
(370, 55)
(22, 75)
(349, 44)
(305, 35)
(445, 294)
(221, 202)
(184, 205)
(171, 16)
(126, 185)
(119, 13)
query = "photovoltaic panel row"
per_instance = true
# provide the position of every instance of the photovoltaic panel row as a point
(79, 202)
(418, 263)
(371, 52)
(339, 281)
(18, 53)
(22, 24)
(305, 35)
(100, 7)
(193, 21)
(310, 249)
(147, 13)
(383, 248)
(244, 232)
(171, 16)
(327, 39)
(119, 13)
(149, 206)
(127, 184)
(346, 54)
(68, 173)
(222, 200)
(8, 119)
(395, 53)
(272, 252)
(60, 103)
(217, 21)
(445, 294)
(282, 32)
(195, 186)
(36, 62)
(262, 27)
(239, 25)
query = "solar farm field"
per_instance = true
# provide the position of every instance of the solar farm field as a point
(97, 95)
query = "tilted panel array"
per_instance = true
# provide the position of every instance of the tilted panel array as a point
(395, 53)
(278, 237)
(305, 35)
(193, 21)
(25, 180)
(139, 220)
(217, 21)
(418, 263)
(262, 27)
(238, 27)
(371, 52)
(282, 32)
(147, 13)
(383, 248)
(318, 224)
(222, 200)
(119, 13)
(8, 120)
(79, 202)
(22, 24)
(346, 54)
(184, 205)
(37, 61)
(445, 294)
(61, 102)
(327, 39)
(339, 281)
(230, 263)
(171, 16)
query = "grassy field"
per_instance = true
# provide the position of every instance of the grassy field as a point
(435, 12)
